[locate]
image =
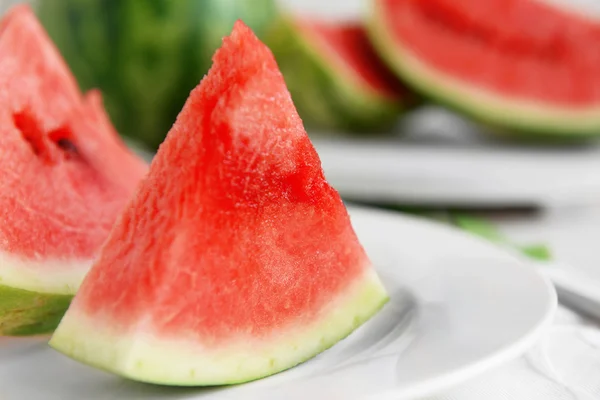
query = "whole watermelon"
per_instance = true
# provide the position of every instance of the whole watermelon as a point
(146, 55)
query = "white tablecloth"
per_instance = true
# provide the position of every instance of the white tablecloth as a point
(565, 364)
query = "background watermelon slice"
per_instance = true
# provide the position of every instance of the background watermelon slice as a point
(64, 177)
(521, 65)
(235, 259)
(336, 79)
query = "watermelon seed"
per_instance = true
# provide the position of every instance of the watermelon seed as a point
(61, 137)
(67, 146)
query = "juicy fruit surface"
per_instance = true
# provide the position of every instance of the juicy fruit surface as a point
(494, 45)
(234, 245)
(253, 221)
(64, 173)
(145, 55)
(349, 42)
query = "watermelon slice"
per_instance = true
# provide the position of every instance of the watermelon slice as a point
(522, 65)
(235, 259)
(64, 175)
(336, 79)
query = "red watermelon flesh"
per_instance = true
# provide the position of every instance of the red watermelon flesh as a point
(523, 49)
(348, 45)
(235, 259)
(64, 172)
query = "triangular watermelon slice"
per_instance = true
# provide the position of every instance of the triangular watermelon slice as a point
(64, 177)
(235, 259)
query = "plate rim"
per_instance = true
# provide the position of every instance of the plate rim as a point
(497, 358)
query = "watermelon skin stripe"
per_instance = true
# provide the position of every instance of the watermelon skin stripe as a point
(504, 116)
(145, 77)
(327, 98)
(23, 312)
(145, 357)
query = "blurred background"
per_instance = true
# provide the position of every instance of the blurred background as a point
(432, 104)
(437, 107)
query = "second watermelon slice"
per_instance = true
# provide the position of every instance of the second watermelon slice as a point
(236, 259)
(65, 176)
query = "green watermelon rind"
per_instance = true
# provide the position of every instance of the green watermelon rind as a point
(24, 313)
(149, 359)
(510, 117)
(327, 97)
(33, 302)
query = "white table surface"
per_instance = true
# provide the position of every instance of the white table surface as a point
(573, 235)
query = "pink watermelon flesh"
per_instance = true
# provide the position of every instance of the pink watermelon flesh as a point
(235, 259)
(65, 175)
(349, 47)
(524, 49)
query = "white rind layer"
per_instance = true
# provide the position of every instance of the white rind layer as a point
(142, 356)
(482, 104)
(48, 276)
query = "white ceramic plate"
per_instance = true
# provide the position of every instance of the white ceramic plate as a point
(443, 160)
(459, 306)
(408, 173)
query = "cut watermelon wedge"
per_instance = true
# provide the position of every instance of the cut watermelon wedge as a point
(520, 65)
(64, 173)
(336, 79)
(235, 259)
